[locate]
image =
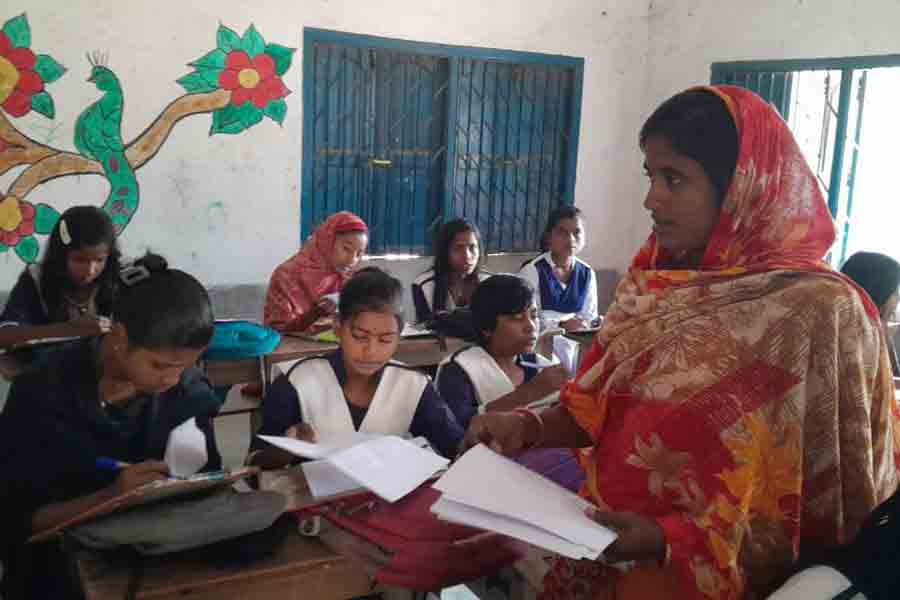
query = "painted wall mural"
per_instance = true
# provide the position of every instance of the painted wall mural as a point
(239, 82)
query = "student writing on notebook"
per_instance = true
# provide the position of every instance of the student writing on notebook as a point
(358, 387)
(499, 373)
(565, 285)
(70, 292)
(301, 289)
(117, 396)
(457, 271)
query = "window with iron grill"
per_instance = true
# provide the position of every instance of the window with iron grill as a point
(409, 135)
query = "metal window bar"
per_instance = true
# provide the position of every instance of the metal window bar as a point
(451, 135)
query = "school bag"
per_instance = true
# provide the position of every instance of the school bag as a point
(872, 560)
(237, 340)
(183, 523)
(423, 552)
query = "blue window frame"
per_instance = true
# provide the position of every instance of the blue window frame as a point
(834, 153)
(411, 134)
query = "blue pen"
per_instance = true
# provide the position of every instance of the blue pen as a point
(110, 464)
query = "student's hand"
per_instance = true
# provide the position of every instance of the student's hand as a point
(550, 380)
(303, 432)
(574, 324)
(139, 474)
(88, 326)
(325, 307)
(640, 538)
(507, 433)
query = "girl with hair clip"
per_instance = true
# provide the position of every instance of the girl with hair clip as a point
(457, 271)
(304, 288)
(358, 387)
(118, 396)
(70, 292)
(566, 285)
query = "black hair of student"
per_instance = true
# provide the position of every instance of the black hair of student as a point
(698, 125)
(168, 309)
(87, 226)
(497, 295)
(442, 242)
(371, 289)
(567, 211)
(876, 273)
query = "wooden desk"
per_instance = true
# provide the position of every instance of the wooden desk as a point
(303, 569)
(414, 351)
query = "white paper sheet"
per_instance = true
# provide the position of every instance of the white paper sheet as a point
(389, 466)
(410, 331)
(325, 479)
(324, 446)
(186, 449)
(483, 479)
(473, 517)
(566, 351)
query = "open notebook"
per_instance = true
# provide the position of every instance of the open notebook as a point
(486, 490)
(151, 492)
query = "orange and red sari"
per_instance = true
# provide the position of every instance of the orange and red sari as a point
(748, 405)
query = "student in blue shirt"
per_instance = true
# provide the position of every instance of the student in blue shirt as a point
(118, 396)
(566, 285)
(358, 387)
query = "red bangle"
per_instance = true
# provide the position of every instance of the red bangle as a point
(540, 421)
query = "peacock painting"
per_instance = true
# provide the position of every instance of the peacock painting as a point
(239, 83)
(98, 136)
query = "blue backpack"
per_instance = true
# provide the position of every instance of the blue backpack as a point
(236, 340)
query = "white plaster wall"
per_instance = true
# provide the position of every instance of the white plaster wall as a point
(687, 36)
(227, 208)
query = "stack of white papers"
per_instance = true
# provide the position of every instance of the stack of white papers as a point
(486, 490)
(326, 445)
(387, 465)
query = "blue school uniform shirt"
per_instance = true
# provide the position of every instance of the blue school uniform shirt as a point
(457, 389)
(52, 430)
(579, 296)
(432, 420)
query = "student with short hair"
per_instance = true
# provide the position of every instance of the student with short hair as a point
(357, 387)
(498, 373)
(117, 396)
(879, 275)
(565, 285)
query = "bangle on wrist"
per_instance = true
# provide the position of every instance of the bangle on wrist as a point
(533, 414)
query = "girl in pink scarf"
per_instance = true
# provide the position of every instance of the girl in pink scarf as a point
(298, 288)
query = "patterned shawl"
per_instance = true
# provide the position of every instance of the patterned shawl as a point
(747, 405)
(299, 282)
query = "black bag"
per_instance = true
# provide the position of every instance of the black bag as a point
(459, 323)
(183, 523)
(872, 561)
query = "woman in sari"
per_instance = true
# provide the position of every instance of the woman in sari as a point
(736, 408)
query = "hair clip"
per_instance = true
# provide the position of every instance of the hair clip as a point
(64, 234)
(133, 274)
